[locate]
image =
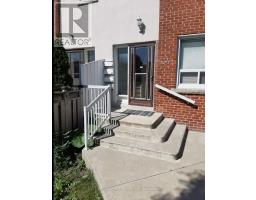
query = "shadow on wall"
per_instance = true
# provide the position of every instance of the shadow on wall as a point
(193, 188)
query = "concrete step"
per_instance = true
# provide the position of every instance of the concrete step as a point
(142, 121)
(178, 138)
(169, 151)
(116, 118)
(109, 128)
(160, 134)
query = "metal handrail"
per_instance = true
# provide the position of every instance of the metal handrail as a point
(97, 112)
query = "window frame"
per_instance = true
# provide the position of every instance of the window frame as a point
(73, 74)
(179, 71)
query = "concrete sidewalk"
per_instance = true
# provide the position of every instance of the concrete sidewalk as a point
(124, 176)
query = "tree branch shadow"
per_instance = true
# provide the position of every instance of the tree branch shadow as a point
(194, 188)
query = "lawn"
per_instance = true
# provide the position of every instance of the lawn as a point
(72, 180)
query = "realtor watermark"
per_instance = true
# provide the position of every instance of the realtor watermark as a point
(73, 25)
(66, 41)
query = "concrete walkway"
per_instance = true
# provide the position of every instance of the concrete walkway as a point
(124, 176)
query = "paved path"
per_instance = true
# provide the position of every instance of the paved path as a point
(124, 176)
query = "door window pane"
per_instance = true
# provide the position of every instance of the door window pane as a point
(141, 59)
(140, 86)
(188, 77)
(122, 56)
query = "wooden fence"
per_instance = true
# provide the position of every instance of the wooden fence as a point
(68, 111)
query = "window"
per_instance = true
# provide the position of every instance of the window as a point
(91, 55)
(122, 63)
(75, 59)
(191, 62)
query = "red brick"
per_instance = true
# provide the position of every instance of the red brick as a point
(178, 17)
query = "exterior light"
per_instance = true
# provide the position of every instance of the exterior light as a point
(72, 38)
(141, 25)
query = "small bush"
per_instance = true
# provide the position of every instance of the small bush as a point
(72, 181)
(61, 76)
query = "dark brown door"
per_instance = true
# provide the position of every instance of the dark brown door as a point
(141, 74)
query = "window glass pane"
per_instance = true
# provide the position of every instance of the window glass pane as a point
(76, 66)
(192, 54)
(75, 56)
(188, 77)
(140, 86)
(91, 56)
(202, 78)
(122, 70)
(75, 59)
(141, 59)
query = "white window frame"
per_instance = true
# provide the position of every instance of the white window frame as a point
(179, 71)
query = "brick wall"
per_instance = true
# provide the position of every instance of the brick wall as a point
(56, 18)
(177, 17)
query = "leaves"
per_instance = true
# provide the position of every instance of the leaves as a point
(61, 76)
(78, 140)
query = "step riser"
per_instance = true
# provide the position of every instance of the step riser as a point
(138, 151)
(133, 135)
(136, 125)
(115, 122)
(182, 146)
(120, 132)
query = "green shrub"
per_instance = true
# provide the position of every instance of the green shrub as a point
(61, 76)
(60, 186)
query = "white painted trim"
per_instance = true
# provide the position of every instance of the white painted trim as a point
(195, 35)
(108, 63)
(175, 94)
(98, 86)
(123, 96)
(191, 86)
(192, 70)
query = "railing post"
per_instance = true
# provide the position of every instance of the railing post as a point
(85, 129)
(108, 102)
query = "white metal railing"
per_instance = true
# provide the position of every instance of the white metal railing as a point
(175, 94)
(97, 112)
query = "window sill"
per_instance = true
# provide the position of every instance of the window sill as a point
(189, 91)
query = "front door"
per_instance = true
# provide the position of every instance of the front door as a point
(141, 75)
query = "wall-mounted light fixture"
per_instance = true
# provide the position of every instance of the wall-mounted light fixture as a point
(72, 38)
(141, 25)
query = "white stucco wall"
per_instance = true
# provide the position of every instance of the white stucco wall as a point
(115, 22)
(112, 22)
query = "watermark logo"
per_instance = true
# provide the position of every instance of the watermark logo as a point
(73, 25)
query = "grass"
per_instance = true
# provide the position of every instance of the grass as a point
(75, 182)
(72, 180)
(87, 189)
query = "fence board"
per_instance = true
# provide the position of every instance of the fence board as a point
(92, 73)
(67, 110)
(56, 118)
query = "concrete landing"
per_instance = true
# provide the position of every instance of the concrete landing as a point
(124, 176)
(142, 121)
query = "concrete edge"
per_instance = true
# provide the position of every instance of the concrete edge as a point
(95, 174)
